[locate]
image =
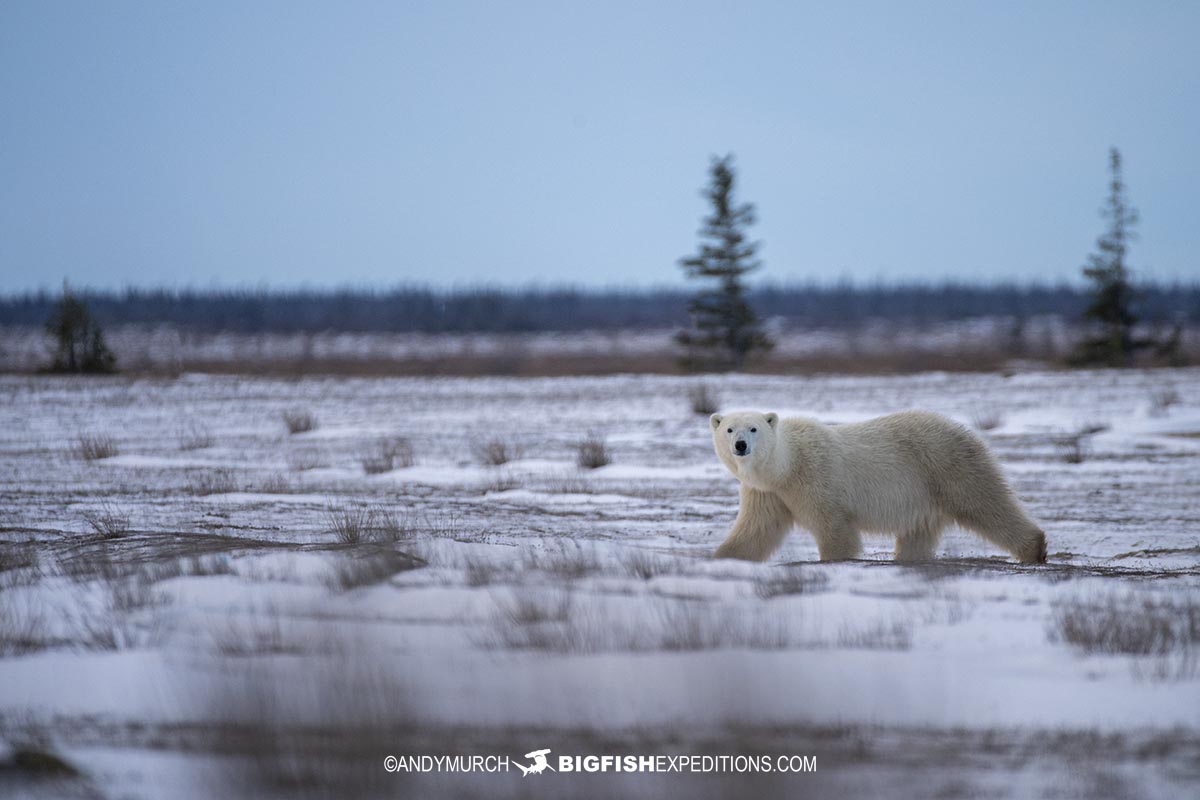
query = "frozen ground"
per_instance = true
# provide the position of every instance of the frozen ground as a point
(189, 616)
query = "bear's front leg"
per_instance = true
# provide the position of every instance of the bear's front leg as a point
(762, 522)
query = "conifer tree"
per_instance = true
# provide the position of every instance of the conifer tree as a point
(725, 332)
(80, 342)
(1110, 310)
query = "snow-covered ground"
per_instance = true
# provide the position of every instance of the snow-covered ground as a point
(185, 617)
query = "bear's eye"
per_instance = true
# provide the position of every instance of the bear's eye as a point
(729, 430)
(754, 430)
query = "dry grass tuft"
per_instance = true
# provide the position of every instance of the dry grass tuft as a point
(357, 569)
(567, 560)
(526, 606)
(275, 483)
(500, 482)
(496, 452)
(986, 419)
(195, 436)
(1162, 399)
(22, 627)
(1167, 629)
(546, 624)
(387, 455)
(1073, 448)
(478, 572)
(259, 632)
(592, 452)
(645, 565)
(304, 460)
(299, 420)
(95, 446)
(568, 483)
(351, 524)
(123, 616)
(109, 520)
(355, 524)
(894, 635)
(212, 481)
(784, 581)
(703, 399)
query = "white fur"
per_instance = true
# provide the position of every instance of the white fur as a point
(908, 474)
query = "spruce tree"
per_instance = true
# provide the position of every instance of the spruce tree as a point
(80, 342)
(724, 331)
(1110, 310)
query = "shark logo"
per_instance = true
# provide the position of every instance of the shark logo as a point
(540, 764)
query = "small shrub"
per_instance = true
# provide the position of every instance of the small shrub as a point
(299, 420)
(195, 436)
(592, 452)
(109, 521)
(495, 452)
(253, 634)
(387, 455)
(95, 446)
(702, 399)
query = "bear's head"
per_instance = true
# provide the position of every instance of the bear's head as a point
(744, 439)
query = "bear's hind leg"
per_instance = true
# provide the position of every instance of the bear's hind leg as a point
(918, 544)
(1007, 525)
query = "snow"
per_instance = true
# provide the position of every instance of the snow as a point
(610, 564)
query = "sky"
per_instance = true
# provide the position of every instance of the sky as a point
(283, 144)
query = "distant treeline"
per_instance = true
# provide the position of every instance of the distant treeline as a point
(523, 310)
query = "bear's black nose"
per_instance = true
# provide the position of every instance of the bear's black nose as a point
(740, 446)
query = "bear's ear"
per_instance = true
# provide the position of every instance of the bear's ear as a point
(715, 419)
(772, 419)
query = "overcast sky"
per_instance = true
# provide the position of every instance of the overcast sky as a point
(448, 143)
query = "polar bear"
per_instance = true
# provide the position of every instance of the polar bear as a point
(907, 474)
